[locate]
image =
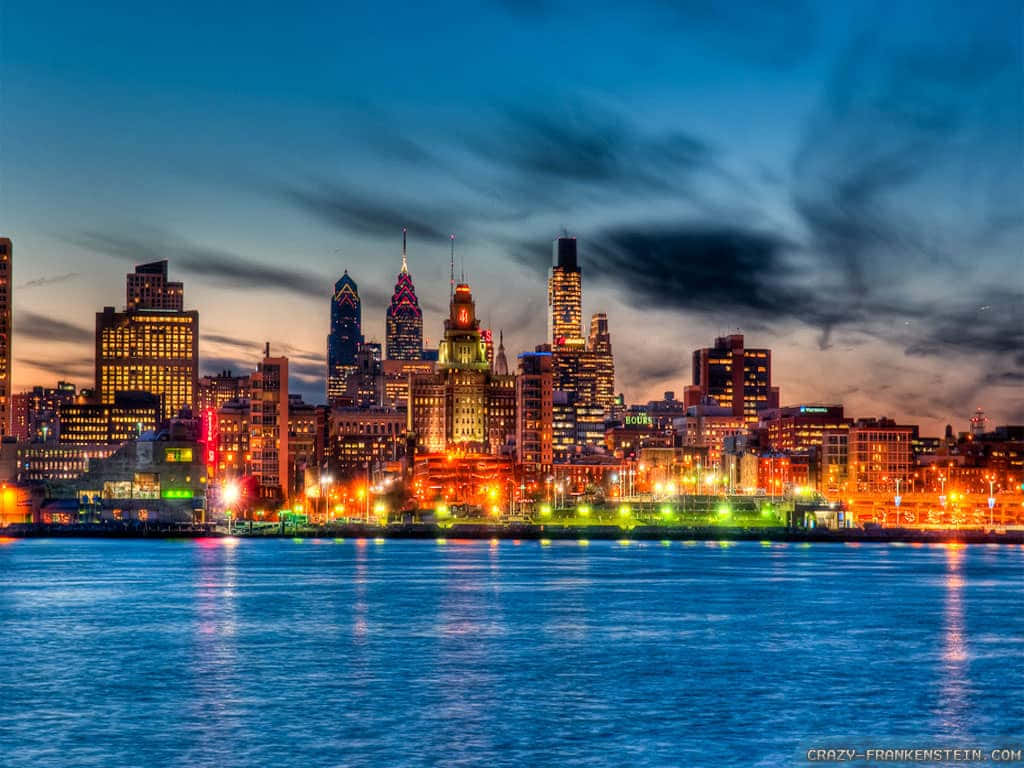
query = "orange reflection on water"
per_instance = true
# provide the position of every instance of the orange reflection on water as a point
(954, 646)
(7, 539)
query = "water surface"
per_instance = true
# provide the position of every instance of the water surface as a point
(423, 653)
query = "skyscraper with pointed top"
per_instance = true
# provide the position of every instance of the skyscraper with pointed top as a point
(405, 318)
(345, 337)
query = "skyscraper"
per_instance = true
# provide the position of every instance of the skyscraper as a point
(735, 377)
(147, 348)
(565, 295)
(345, 337)
(148, 288)
(6, 297)
(404, 319)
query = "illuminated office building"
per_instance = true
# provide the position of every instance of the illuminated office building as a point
(35, 413)
(735, 377)
(148, 288)
(149, 348)
(130, 416)
(396, 379)
(565, 295)
(798, 428)
(345, 336)
(268, 429)
(6, 299)
(364, 386)
(404, 318)
(600, 360)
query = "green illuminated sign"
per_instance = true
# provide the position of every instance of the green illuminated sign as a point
(639, 420)
(177, 493)
(812, 409)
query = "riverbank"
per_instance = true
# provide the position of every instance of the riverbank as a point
(527, 532)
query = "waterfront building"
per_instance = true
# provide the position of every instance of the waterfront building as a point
(6, 304)
(404, 317)
(147, 480)
(534, 414)
(220, 388)
(799, 428)
(148, 288)
(345, 336)
(879, 454)
(52, 462)
(148, 347)
(268, 429)
(736, 377)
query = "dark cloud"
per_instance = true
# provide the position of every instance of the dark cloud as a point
(45, 328)
(216, 266)
(39, 282)
(63, 368)
(365, 212)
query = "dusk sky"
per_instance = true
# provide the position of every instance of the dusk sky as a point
(843, 182)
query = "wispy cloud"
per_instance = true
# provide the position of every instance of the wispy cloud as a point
(40, 282)
(32, 325)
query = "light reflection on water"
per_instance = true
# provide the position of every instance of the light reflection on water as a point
(243, 652)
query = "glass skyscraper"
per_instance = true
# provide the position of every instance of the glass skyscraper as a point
(345, 337)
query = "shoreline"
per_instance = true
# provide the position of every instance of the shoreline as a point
(528, 532)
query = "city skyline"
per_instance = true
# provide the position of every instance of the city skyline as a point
(869, 233)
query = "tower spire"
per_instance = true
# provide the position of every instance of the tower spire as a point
(405, 265)
(451, 279)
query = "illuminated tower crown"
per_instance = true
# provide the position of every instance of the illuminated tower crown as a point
(463, 346)
(404, 318)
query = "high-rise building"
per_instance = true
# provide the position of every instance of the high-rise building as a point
(345, 336)
(599, 350)
(6, 299)
(534, 413)
(153, 346)
(268, 429)
(35, 413)
(735, 377)
(404, 317)
(148, 288)
(565, 295)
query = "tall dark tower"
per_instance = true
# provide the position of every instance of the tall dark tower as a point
(565, 295)
(345, 337)
(404, 319)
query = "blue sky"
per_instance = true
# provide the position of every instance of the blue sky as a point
(843, 182)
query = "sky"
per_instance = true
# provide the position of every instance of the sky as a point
(841, 182)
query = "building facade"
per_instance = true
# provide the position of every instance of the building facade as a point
(268, 429)
(534, 387)
(6, 303)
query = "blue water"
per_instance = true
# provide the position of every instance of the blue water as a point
(392, 653)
